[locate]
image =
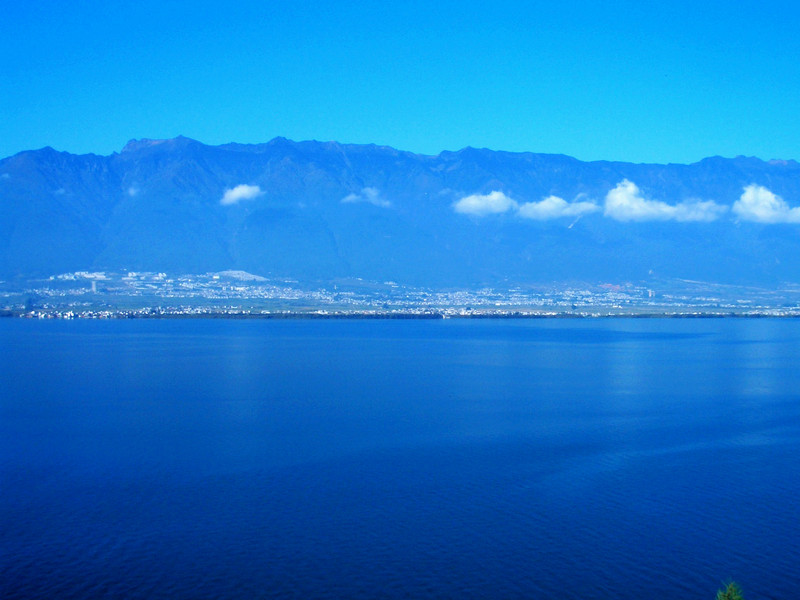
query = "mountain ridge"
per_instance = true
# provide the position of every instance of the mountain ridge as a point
(136, 143)
(317, 210)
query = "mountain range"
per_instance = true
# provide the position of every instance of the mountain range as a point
(320, 211)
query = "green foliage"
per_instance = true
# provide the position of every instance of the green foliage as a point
(731, 591)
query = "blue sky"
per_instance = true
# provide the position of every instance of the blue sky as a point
(643, 82)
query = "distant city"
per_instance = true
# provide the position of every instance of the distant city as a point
(238, 294)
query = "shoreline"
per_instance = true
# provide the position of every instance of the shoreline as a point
(150, 313)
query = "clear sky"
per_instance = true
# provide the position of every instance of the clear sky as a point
(637, 81)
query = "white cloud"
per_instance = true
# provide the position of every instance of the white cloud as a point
(554, 207)
(759, 204)
(132, 191)
(486, 204)
(626, 203)
(239, 193)
(369, 195)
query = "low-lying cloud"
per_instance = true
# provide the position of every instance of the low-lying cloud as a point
(554, 207)
(370, 195)
(239, 193)
(760, 205)
(481, 205)
(496, 202)
(626, 203)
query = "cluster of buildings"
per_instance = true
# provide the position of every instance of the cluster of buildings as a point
(100, 295)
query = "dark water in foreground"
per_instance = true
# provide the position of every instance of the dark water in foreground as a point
(414, 459)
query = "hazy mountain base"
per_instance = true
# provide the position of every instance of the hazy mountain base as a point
(327, 211)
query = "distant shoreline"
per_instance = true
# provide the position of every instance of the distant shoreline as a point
(354, 316)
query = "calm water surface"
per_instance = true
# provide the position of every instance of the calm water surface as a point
(399, 459)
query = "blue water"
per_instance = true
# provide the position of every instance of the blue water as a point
(561, 459)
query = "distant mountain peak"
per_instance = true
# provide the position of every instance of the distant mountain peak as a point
(135, 145)
(145, 143)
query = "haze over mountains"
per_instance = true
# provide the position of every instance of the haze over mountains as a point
(316, 211)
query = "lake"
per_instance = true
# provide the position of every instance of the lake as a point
(554, 458)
